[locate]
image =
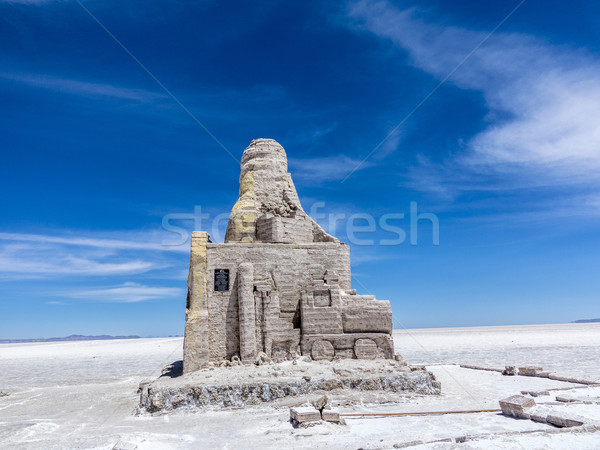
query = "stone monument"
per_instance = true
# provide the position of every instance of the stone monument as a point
(279, 284)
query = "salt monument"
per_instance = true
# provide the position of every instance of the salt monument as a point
(279, 285)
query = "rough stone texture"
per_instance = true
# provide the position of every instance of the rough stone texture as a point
(563, 422)
(537, 417)
(262, 359)
(247, 311)
(530, 371)
(365, 314)
(544, 413)
(268, 204)
(331, 415)
(517, 406)
(366, 349)
(322, 350)
(346, 341)
(509, 370)
(289, 383)
(345, 353)
(195, 344)
(304, 414)
(321, 402)
(158, 399)
(289, 281)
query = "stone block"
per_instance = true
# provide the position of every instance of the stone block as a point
(365, 349)
(530, 371)
(517, 406)
(560, 398)
(322, 350)
(563, 422)
(304, 414)
(362, 313)
(331, 415)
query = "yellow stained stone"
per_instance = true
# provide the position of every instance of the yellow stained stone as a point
(247, 185)
(243, 203)
(248, 217)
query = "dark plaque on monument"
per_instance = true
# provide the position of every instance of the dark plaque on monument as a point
(221, 280)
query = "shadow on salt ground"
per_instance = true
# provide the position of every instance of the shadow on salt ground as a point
(173, 370)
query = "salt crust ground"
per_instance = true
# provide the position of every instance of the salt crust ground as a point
(83, 395)
(288, 371)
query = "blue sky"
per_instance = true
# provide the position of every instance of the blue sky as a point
(95, 153)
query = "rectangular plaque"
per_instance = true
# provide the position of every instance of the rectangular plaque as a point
(221, 280)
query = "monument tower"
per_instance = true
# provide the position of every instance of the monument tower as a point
(279, 284)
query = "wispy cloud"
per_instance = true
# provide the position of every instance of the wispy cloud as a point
(83, 88)
(64, 255)
(32, 265)
(135, 241)
(312, 133)
(326, 168)
(543, 100)
(127, 293)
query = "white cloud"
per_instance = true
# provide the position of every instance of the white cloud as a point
(543, 100)
(134, 241)
(76, 87)
(92, 254)
(127, 293)
(32, 265)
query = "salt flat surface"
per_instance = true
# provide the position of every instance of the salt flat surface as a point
(566, 349)
(83, 395)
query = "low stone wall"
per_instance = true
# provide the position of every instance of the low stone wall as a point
(155, 398)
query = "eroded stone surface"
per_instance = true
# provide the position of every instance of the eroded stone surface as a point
(305, 381)
(268, 208)
(530, 371)
(365, 349)
(322, 350)
(156, 399)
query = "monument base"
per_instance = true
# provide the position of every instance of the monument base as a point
(286, 384)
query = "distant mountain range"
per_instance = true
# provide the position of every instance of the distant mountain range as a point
(73, 337)
(586, 321)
